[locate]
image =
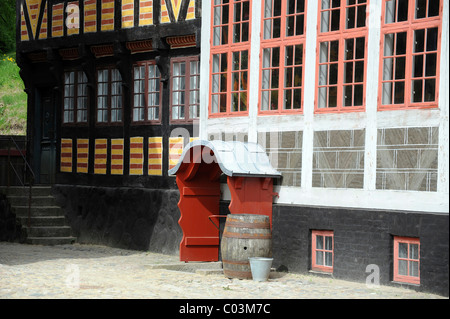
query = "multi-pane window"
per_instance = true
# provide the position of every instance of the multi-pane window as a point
(322, 250)
(230, 57)
(146, 92)
(410, 53)
(185, 103)
(283, 19)
(407, 260)
(109, 96)
(75, 97)
(282, 55)
(341, 55)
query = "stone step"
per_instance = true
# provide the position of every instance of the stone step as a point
(50, 241)
(35, 200)
(22, 211)
(25, 190)
(43, 221)
(48, 231)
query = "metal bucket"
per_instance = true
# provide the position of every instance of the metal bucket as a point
(260, 267)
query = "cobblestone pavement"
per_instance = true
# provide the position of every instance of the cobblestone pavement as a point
(97, 272)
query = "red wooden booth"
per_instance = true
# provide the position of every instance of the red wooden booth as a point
(250, 181)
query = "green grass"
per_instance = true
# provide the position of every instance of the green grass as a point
(13, 100)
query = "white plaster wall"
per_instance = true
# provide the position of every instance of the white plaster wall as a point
(371, 120)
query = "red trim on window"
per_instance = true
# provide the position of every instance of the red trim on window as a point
(321, 250)
(288, 89)
(409, 24)
(230, 39)
(333, 87)
(407, 260)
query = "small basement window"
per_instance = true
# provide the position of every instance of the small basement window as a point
(322, 250)
(407, 260)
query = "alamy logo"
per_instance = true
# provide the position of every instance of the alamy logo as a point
(73, 16)
(373, 279)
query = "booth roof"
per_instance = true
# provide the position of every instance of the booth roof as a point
(234, 158)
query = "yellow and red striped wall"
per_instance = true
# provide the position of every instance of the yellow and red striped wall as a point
(64, 16)
(109, 155)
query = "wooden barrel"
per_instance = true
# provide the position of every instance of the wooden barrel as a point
(244, 236)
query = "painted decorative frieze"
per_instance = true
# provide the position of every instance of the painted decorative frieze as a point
(100, 156)
(70, 18)
(407, 158)
(117, 156)
(338, 159)
(82, 155)
(155, 152)
(66, 155)
(136, 156)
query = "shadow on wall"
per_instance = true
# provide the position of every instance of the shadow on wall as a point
(128, 218)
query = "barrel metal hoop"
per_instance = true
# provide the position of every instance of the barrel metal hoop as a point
(248, 225)
(246, 236)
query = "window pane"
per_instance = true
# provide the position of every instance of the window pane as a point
(430, 66)
(414, 251)
(421, 9)
(432, 37)
(348, 94)
(430, 90)
(399, 93)
(433, 8)
(414, 268)
(297, 99)
(401, 43)
(358, 95)
(417, 66)
(328, 259)
(402, 250)
(417, 86)
(400, 68)
(319, 242)
(328, 243)
(387, 93)
(403, 267)
(319, 258)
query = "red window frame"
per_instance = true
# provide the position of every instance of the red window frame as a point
(190, 90)
(283, 40)
(77, 96)
(109, 96)
(322, 255)
(335, 81)
(148, 102)
(407, 260)
(230, 58)
(401, 21)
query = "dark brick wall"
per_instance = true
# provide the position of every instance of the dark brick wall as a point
(362, 238)
(129, 218)
(10, 228)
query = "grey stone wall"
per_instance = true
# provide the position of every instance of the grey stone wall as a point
(407, 158)
(338, 159)
(129, 218)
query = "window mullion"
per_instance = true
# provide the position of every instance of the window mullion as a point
(281, 75)
(187, 89)
(146, 90)
(408, 65)
(340, 80)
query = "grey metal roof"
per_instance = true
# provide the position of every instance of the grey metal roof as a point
(234, 158)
